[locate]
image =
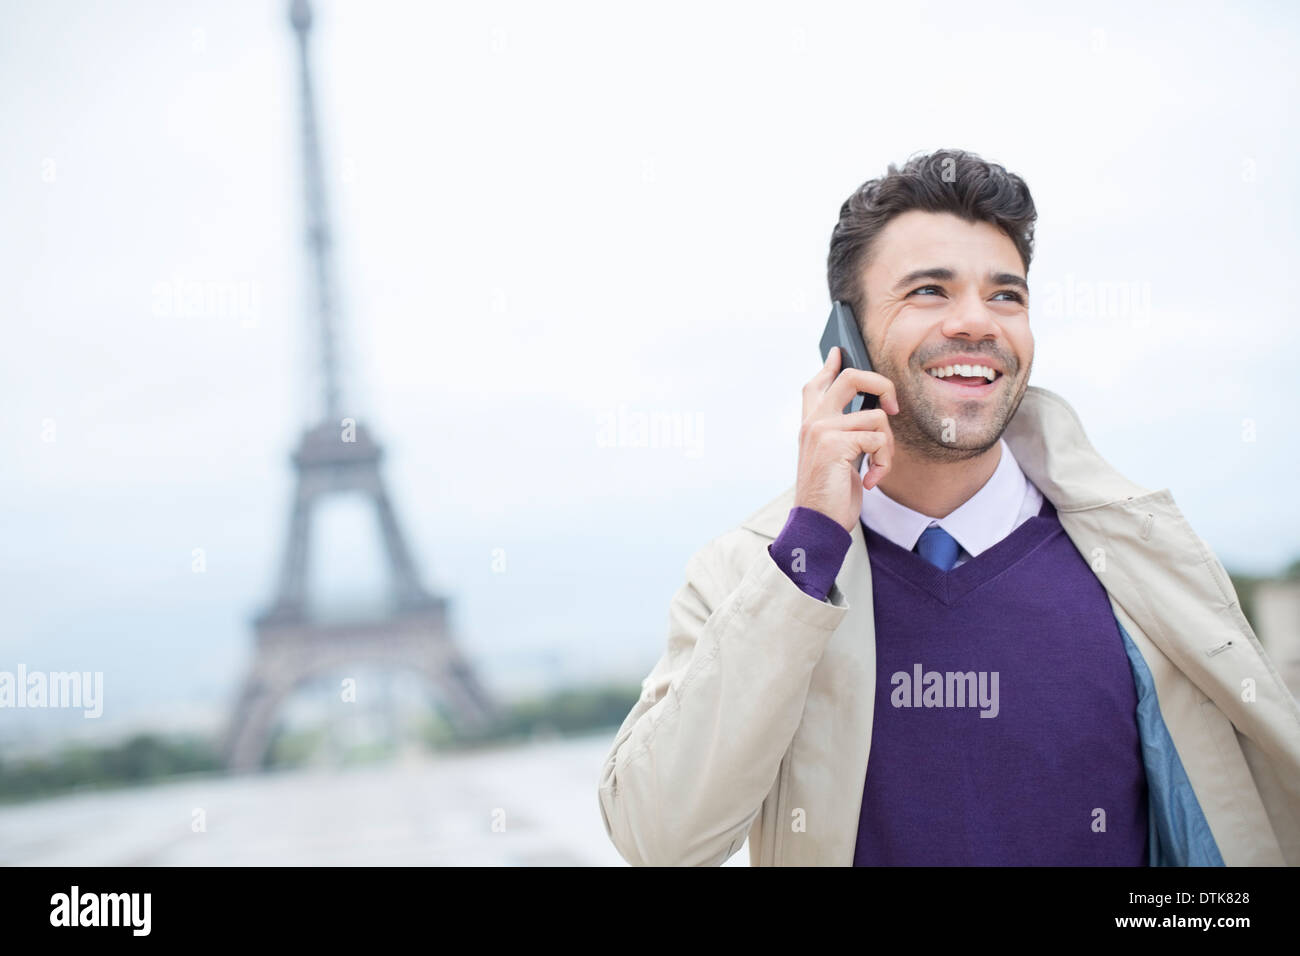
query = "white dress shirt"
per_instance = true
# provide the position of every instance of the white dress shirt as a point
(1002, 504)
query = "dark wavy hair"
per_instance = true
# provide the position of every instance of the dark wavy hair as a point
(948, 180)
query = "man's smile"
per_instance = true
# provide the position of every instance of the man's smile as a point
(966, 380)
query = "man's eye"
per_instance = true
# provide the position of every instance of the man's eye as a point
(1015, 296)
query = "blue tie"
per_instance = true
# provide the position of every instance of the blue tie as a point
(938, 547)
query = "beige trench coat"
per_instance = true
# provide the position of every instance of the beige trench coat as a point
(756, 721)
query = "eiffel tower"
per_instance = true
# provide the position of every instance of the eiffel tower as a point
(339, 456)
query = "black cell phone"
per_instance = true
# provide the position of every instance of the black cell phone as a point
(842, 330)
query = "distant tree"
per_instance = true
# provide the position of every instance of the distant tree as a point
(148, 757)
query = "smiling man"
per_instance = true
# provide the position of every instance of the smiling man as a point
(986, 646)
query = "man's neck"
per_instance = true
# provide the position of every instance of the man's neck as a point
(937, 488)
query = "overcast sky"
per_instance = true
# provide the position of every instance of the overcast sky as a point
(546, 212)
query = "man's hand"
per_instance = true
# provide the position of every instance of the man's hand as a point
(830, 441)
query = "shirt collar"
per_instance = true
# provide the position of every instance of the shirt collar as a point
(980, 522)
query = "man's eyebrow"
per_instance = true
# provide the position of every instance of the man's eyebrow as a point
(943, 274)
(936, 272)
(1008, 278)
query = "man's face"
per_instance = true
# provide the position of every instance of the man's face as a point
(943, 291)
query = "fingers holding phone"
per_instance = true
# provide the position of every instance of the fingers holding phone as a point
(832, 443)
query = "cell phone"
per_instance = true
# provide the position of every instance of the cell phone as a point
(842, 330)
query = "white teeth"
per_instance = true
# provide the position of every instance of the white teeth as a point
(964, 370)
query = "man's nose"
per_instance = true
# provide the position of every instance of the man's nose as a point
(971, 316)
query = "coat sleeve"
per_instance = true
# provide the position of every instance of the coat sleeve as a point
(692, 763)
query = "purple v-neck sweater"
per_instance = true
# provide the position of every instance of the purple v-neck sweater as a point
(1005, 729)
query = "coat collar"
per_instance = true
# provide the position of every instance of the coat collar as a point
(1050, 445)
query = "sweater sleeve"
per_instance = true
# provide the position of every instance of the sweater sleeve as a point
(810, 550)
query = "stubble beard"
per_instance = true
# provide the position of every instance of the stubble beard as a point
(974, 426)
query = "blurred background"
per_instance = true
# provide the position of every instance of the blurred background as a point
(574, 265)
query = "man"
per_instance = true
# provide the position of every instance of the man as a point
(988, 646)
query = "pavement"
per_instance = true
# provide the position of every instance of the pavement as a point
(532, 805)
